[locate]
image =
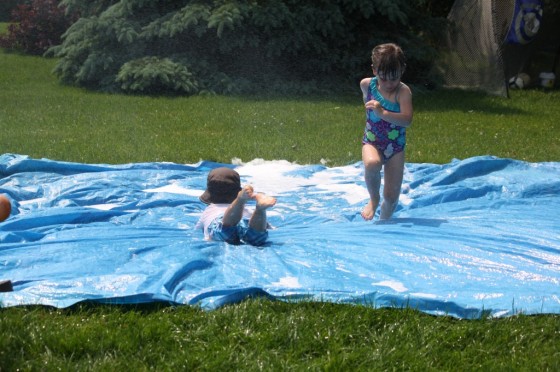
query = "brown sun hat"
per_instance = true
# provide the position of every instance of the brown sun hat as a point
(6, 286)
(222, 186)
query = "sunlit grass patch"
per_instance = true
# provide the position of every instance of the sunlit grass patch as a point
(43, 118)
(261, 334)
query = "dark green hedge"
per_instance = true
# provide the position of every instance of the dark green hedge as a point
(221, 46)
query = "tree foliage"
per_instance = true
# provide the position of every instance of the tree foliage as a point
(36, 26)
(7, 6)
(230, 46)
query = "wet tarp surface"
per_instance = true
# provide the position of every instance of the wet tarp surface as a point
(471, 237)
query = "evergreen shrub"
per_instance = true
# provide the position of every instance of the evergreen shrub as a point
(240, 46)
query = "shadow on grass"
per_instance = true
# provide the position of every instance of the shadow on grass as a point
(459, 100)
(440, 100)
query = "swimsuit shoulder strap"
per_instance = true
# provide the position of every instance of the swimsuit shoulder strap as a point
(371, 88)
(397, 92)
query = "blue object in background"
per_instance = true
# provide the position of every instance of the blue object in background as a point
(526, 22)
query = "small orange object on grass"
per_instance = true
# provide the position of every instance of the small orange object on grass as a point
(5, 208)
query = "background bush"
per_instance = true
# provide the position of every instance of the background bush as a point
(6, 7)
(223, 46)
(36, 26)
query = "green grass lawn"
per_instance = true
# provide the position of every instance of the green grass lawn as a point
(41, 118)
(271, 336)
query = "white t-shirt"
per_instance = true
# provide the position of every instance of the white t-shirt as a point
(212, 212)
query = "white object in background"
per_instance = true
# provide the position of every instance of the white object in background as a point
(547, 79)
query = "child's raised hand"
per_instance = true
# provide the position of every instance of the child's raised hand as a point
(374, 105)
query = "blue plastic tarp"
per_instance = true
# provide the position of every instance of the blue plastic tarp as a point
(473, 237)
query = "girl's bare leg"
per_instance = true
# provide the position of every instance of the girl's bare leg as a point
(373, 163)
(393, 176)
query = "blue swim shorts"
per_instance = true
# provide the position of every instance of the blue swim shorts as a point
(241, 233)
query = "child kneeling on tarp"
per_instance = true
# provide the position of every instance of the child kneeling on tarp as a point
(226, 218)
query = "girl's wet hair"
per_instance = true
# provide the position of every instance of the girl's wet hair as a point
(389, 61)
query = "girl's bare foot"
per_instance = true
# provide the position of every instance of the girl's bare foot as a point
(264, 201)
(368, 212)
